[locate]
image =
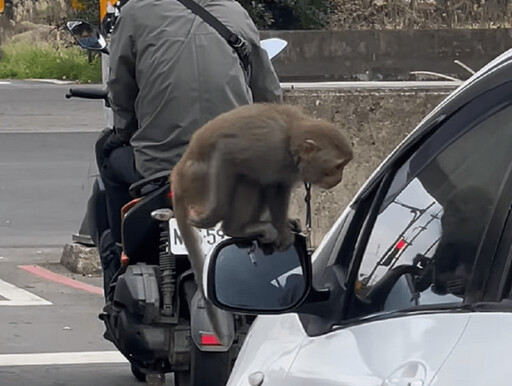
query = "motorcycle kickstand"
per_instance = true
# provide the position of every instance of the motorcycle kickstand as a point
(155, 379)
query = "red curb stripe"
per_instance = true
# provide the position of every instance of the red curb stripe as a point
(49, 275)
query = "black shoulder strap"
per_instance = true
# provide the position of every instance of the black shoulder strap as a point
(232, 38)
(235, 41)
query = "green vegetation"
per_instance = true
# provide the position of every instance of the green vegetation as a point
(88, 10)
(46, 61)
(289, 14)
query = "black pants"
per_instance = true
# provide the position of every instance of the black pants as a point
(117, 172)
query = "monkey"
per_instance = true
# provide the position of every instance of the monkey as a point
(268, 147)
(241, 166)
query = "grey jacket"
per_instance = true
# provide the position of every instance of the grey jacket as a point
(170, 73)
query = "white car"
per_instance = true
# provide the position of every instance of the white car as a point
(412, 285)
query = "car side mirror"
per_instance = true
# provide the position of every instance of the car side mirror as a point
(87, 36)
(244, 277)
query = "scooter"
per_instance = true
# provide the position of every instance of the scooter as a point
(154, 314)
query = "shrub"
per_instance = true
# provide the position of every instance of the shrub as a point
(46, 61)
(289, 14)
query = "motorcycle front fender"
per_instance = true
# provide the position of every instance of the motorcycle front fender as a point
(201, 329)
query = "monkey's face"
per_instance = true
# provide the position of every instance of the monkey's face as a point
(322, 170)
(323, 155)
(333, 175)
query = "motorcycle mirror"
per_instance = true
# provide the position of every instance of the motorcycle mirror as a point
(87, 36)
(273, 46)
(244, 277)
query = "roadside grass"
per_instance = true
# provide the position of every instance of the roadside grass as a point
(21, 60)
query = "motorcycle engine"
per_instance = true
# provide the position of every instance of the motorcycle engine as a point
(132, 318)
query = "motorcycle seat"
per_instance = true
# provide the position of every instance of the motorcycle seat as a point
(149, 184)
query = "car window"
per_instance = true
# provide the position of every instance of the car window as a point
(425, 239)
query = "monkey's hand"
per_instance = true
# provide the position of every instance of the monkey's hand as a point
(268, 234)
(295, 225)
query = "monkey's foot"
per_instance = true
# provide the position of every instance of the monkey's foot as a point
(284, 241)
(263, 231)
(202, 222)
(268, 234)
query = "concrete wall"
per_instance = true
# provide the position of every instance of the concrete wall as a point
(384, 55)
(376, 121)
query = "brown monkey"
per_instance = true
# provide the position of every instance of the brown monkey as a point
(255, 153)
(243, 165)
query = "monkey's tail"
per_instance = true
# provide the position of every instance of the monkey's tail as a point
(220, 320)
(193, 245)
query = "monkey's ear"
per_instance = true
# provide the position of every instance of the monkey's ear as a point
(308, 148)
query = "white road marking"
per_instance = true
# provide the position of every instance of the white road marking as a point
(5, 82)
(61, 358)
(13, 130)
(19, 297)
(54, 81)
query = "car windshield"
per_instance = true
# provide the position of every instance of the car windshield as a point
(423, 245)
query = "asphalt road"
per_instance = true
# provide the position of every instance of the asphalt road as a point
(49, 326)
(41, 106)
(45, 181)
(50, 331)
(46, 162)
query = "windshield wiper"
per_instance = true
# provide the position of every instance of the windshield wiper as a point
(503, 305)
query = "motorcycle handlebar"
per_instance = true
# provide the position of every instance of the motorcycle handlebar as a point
(88, 93)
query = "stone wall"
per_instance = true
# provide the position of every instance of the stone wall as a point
(420, 14)
(384, 55)
(34, 21)
(39, 11)
(376, 121)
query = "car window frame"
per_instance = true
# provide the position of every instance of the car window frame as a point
(446, 133)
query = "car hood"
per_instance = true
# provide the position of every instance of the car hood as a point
(270, 347)
(481, 355)
(427, 349)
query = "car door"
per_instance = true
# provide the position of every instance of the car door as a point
(419, 256)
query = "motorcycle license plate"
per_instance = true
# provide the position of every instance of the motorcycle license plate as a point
(211, 237)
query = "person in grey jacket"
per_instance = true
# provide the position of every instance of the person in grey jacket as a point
(170, 73)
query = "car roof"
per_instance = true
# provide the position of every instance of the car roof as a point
(493, 74)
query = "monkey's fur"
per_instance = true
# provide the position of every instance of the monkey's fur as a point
(244, 163)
